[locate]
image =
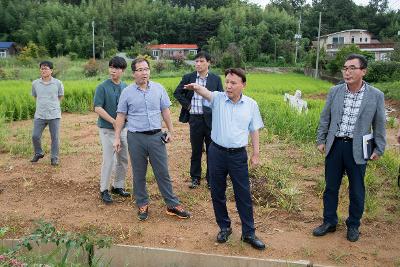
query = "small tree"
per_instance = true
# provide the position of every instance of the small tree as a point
(31, 51)
(91, 68)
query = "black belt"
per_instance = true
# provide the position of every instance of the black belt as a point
(232, 150)
(344, 138)
(150, 132)
(196, 115)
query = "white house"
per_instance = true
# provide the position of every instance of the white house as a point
(361, 38)
(172, 50)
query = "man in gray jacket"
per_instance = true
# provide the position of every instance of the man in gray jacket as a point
(352, 110)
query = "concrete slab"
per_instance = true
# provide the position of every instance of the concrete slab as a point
(123, 255)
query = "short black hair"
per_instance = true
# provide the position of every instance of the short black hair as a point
(138, 60)
(117, 62)
(203, 54)
(238, 71)
(363, 60)
(46, 64)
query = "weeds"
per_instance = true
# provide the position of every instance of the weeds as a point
(66, 242)
(271, 186)
(338, 257)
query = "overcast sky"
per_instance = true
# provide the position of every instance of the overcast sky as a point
(393, 4)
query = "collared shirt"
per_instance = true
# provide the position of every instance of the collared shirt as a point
(143, 107)
(197, 100)
(107, 96)
(47, 98)
(351, 107)
(232, 122)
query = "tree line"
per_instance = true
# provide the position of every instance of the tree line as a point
(223, 27)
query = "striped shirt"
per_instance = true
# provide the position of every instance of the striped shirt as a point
(351, 107)
(197, 100)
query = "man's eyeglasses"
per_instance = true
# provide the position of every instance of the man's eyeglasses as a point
(351, 68)
(45, 68)
(143, 70)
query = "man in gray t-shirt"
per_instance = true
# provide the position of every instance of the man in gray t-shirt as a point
(48, 93)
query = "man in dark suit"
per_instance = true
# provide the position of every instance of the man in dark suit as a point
(351, 111)
(196, 111)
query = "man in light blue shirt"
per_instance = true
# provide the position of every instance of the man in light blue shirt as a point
(234, 117)
(143, 104)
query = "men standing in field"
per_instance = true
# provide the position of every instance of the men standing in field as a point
(234, 117)
(196, 111)
(143, 103)
(105, 105)
(351, 110)
(48, 93)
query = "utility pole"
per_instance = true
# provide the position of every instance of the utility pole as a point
(94, 55)
(319, 35)
(102, 54)
(297, 37)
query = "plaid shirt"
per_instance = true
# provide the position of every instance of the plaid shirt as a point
(197, 100)
(352, 103)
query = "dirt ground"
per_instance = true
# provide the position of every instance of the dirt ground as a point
(68, 196)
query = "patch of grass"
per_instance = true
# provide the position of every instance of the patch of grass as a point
(306, 252)
(339, 257)
(272, 186)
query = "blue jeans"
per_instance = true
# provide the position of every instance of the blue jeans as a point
(222, 163)
(340, 160)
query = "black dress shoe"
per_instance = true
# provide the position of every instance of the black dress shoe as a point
(195, 183)
(36, 157)
(323, 229)
(254, 241)
(120, 191)
(105, 196)
(223, 235)
(353, 234)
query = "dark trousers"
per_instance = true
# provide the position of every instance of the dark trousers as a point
(222, 163)
(339, 160)
(199, 133)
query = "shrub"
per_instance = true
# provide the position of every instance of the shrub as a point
(383, 71)
(160, 65)
(178, 60)
(91, 68)
(73, 56)
(336, 64)
(31, 51)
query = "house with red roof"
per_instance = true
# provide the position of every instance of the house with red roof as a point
(168, 51)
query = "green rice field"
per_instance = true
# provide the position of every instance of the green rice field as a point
(16, 102)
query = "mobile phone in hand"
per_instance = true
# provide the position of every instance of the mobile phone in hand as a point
(164, 137)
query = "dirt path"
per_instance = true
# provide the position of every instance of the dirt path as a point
(68, 196)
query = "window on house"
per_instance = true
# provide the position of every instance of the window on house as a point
(156, 53)
(360, 40)
(352, 39)
(3, 53)
(192, 52)
(366, 39)
(338, 40)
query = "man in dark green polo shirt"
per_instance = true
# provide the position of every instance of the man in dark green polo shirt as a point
(105, 104)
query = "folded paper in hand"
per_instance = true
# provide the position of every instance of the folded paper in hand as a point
(368, 145)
